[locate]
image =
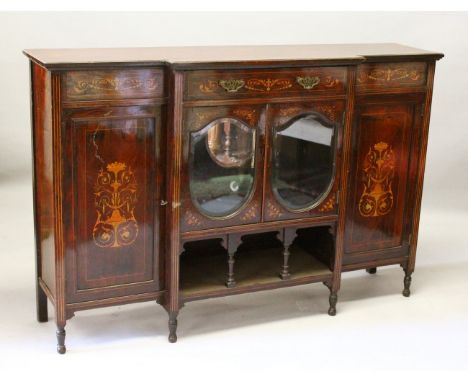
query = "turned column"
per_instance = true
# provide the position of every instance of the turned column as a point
(289, 234)
(231, 243)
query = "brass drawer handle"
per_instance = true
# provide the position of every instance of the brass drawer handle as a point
(232, 86)
(308, 82)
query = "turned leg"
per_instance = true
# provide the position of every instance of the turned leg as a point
(407, 284)
(173, 327)
(332, 299)
(371, 271)
(61, 349)
(41, 304)
(231, 282)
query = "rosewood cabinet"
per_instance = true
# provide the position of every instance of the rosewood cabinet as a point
(180, 174)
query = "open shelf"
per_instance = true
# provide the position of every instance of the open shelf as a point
(204, 276)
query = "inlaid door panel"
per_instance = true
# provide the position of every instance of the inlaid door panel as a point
(384, 155)
(221, 167)
(302, 177)
(116, 188)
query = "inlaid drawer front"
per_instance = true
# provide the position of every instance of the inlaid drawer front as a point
(209, 84)
(391, 75)
(113, 84)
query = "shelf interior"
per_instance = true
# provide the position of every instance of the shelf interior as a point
(258, 263)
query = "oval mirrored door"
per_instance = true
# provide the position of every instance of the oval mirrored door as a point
(222, 169)
(303, 161)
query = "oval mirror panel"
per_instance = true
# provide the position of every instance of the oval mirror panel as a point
(222, 167)
(303, 161)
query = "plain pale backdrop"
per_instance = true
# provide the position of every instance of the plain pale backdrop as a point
(275, 334)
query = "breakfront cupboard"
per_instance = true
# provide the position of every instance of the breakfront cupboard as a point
(179, 174)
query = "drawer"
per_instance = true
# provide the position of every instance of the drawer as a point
(390, 76)
(113, 84)
(212, 84)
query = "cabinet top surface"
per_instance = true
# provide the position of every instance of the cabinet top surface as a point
(56, 58)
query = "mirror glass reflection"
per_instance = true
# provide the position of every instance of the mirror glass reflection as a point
(303, 161)
(222, 167)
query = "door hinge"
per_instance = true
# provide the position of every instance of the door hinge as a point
(422, 111)
(343, 118)
(409, 238)
(338, 197)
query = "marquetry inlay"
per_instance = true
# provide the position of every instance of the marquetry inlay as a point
(378, 173)
(115, 199)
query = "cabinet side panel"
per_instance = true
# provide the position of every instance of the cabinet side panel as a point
(43, 174)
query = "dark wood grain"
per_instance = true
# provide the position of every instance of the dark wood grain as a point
(345, 181)
(418, 170)
(173, 194)
(42, 186)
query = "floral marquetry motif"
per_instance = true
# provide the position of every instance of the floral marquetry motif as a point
(208, 86)
(268, 84)
(248, 114)
(114, 84)
(328, 110)
(290, 111)
(378, 173)
(226, 84)
(115, 199)
(251, 213)
(330, 82)
(391, 75)
(191, 219)
(329, 204)
(273, 210)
